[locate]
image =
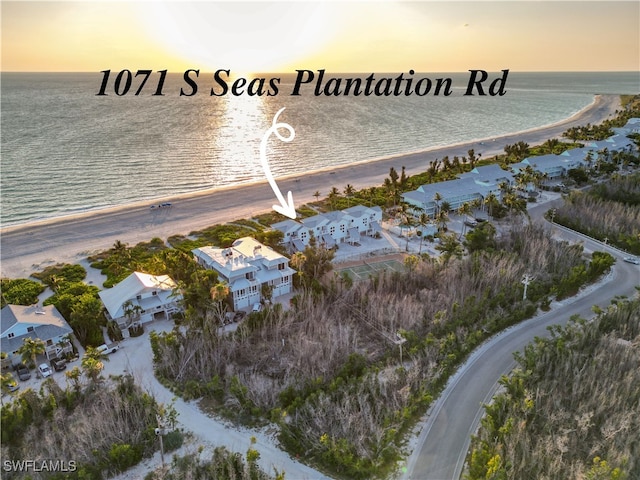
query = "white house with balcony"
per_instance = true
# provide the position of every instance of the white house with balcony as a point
(141, 298)
(331, 228)
(246, 266)
(36, 322)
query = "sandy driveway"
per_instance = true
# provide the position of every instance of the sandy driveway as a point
(135, 357)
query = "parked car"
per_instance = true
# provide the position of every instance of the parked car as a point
(633, 260)
(470, 223)
(256, 307)
(45, 370)
(228, 318)
(239, 315)
(22, 371)
(59, 364)
(111, 348)
(12, 385)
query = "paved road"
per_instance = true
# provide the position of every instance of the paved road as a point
(445, 437)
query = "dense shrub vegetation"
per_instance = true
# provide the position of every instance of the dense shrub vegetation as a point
(570, 410)
(329, 372)
(104, 430)
(223, 465)
(608, 212)
(20, 291)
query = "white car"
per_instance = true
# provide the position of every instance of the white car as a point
(633, 260)
(45, 370)
(256, 307)
(107, 349)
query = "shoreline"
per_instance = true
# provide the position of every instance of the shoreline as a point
(30, 246)
(370, 161)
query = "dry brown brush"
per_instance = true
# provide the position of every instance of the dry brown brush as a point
(619, 223)
(328, 371)
(102, 430)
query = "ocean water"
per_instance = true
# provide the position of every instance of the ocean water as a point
(64, 149)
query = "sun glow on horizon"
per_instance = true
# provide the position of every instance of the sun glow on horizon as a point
(350, 36)
(245, 38)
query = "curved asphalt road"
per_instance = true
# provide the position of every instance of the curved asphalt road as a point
(454, 417)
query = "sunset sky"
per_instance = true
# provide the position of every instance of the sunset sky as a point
(383, 36)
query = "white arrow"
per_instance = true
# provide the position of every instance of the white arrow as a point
(286, 207)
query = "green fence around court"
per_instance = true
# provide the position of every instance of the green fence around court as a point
(361, 272)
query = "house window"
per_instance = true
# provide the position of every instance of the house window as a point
(11, 335)
(332, 230)
(138, 297)
(281, 266)
(154, 293)
(29, 329)
(249, 276)
(342, 228)
(49, 343)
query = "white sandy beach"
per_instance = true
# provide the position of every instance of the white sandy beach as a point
(31, 247)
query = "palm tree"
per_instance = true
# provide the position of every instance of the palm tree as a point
(73, 376)
(442, 217)
(131, 311)
(372, 195)
(30, 349)
(423, 219)
(472, 158)
(317, 195)
(333, 194)
(463, 211)
(449, 247)
(92, 363)
(390, 189)
(298, 260)
(550, 145)
(219, 295)
(490, 200)
(436, 199)
(121, 254)
(349, 191)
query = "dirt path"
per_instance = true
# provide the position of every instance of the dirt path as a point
(135, 357)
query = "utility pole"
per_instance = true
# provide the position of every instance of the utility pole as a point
(400, 340)
(526, 280)
(160, 432)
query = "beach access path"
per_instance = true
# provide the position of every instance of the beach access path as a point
(27, 248)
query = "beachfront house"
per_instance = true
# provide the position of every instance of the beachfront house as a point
(429, 198)
(247, 266)
(471, 186)
(617, 143)
(332, 228)
(33, 321)
(141, 298)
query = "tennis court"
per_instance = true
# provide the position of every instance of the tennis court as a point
(363, 271)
